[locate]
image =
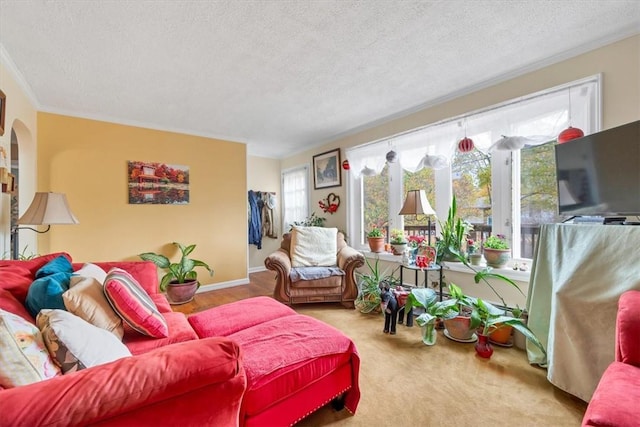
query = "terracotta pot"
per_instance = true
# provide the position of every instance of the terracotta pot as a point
(376, 244)
(180, 293)
(502, 335)
(459, 328)
(497, 258)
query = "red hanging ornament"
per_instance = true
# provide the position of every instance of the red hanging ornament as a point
(345, 165)
(465, 145)
(570, 133)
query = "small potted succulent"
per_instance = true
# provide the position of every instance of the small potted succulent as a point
(375, 237)
(398, 241)
(496, 251)
(181, 280)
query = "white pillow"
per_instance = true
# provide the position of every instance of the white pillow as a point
(76, 344)
(23, 356)
(314, 247)
(88, 270)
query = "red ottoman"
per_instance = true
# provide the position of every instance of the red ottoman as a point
(294, 364)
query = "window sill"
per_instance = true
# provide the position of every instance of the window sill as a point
(521, 276)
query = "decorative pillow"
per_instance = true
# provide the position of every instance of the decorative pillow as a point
(46, 292)
(75, 344)
(88, 270)
(313, 247)
(52, 279)
(133, 304)
(59, 264)
(87, 301)
(23, 356)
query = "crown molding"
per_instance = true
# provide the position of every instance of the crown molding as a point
(12, 69)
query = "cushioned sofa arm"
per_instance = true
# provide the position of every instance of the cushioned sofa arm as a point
(203, 378)
(350, 259)
(279, 262)
(628, 328)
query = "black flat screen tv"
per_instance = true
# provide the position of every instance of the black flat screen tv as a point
(599, 174)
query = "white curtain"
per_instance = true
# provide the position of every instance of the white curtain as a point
(295, 196)
(531, 120)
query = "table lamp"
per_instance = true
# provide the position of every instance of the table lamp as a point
(416, 203)
(45, 209)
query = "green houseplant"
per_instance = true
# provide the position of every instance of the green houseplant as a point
(180, 281)
(368, 299)
(375, 237)
(398, 241)
(496, 251)
(453, 232)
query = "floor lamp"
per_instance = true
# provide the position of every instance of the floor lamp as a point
(416, 203)
(45, 209)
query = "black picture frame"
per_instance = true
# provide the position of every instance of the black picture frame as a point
(326, 170)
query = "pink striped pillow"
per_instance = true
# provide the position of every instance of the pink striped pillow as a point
(133, 304)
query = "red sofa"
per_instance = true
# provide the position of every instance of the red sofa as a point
(615, 401)
(249, 363)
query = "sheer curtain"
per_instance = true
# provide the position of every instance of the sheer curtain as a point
(295, 196)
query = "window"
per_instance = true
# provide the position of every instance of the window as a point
(509, 191)
(295, 196)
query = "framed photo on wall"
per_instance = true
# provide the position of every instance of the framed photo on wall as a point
(326, 170)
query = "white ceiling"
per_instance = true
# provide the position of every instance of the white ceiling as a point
(283, 76)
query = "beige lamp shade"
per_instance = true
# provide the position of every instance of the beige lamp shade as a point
(48, 208)
(416, 203)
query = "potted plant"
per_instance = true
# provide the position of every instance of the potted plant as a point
(426, 299)
(496, 251)
(453, 231)
(398, 241)
(368, 299)
(473, 253)
(375, 237)
(181, 280)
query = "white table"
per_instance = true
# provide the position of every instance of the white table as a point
(578, 273)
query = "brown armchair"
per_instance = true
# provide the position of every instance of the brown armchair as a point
(342, 288)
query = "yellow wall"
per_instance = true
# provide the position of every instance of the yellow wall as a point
(263, 174)
(87, 160)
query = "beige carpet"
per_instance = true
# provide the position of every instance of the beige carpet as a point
(406, 383)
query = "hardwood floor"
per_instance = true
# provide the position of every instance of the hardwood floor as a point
(260, 284)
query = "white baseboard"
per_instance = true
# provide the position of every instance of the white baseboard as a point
(223, 285)
(257, 269)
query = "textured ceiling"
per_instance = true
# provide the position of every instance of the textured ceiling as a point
(283, 76)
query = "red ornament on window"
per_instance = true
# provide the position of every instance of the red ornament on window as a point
(345, 165)
(465, 145)
(569, 133)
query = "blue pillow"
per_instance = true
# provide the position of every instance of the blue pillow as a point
(57, 265)
(52, 279)
(46, 292)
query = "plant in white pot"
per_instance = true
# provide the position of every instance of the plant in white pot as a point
(181, 280)
(398, 241)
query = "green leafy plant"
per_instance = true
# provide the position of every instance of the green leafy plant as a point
(453, 232)
(375, 232)
(177, 272)
(496, 242)
(369, 285)
(397, 237)
(312, 220)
